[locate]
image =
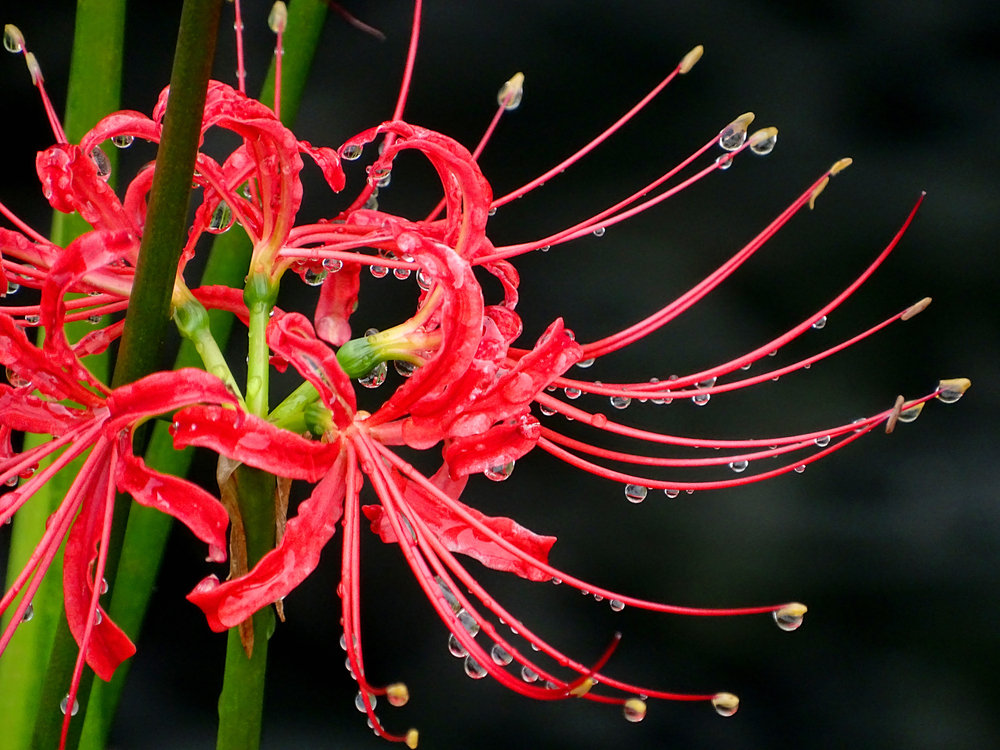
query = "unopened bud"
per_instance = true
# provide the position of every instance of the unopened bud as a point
(689, 60)
(509, 96)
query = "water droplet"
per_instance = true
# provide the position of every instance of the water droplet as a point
(455, 648)
(790, 616)
(16, 380)
(572, 393)
(29, 613)
(764, 146)
(599, 231)
(545, 248)
(350, 152)
(401, 273)
(547, 411)
(585, 363)
(474, 669)
(404, 368)
(332, 265)
(823, 441)
(528, 674)
(98, 617)
(820, 322)
(739, 466)
(510, 94)
(222, 219)
(359, 701)
(620, 402)
(800, 468)
(950, 391)
(379, 177)
(376, 377)
(725, 704)
(499, 472)
(910, 413)
(32, 320)
(616, 605)
(424, 279)
(635, 493)
(101, 161)
(379, 272)
(701, 399)
(64, 703)
(671, 492)
(13, 40)
(397, 694)
(94, 320)
(313, 277)
(343, 641)
(13, 287)
(634, 710)
(500, 656)
(733, 136)
(468, 622)
(724, 162)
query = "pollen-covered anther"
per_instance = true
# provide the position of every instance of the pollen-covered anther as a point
(509, 95)
(397, 694)
(689, 60)
(897, 408)
(840, 165)
(13, 39)
(817, 190)
(581, 687)
(277, 19)
(634, 710)
(789, 617)
(951, 390)
(916, 308)
(725, 704)
(412, 737)
(34, 68)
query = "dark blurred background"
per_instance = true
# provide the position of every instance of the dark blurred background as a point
(893, 543)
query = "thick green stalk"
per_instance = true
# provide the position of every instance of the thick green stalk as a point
(93, 91)
(148, 313)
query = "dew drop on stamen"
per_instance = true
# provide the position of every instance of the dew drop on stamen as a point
(528, 674)
(599, 231)
(500, 472)
(585, 363)
(725, 704)
(332, 265)
(359, 702)
(379, 272)
(950, 391)
(13, 287)
(500, 655)
(29, 613)
(819, 323)
(32, 320)
(724, 162)
(701, 399)
(474, 669)
(800, 468)
(491, 211)
(634, 710)
(13, 40)
(911, 413)
(15, 379)
(616, 605)
(789, 617)
(468, 622)
(64, 704)
(635, 493)
(101, 161)
(739, 466)
(510, 94)
(823, 441)
(545, 410)
(762, 146)
(455, 648)
(94, 319)
(620, 402)
(222, 219)
(671, 492)
(122, 141)
(572, 393)
(313, 277)
(403, 368)
(401, 273)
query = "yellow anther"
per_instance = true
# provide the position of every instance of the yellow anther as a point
(411, 739)
(689, 60)
(790, 616)
(763, 135)
(816, 191)
(916, 309)
(634, 710)
(950, 390)
(840, 165)
(277, 19)
(509, 95)
(397, 694)
(582, 688)
(34, 68)
(725, 704)
(13, 39)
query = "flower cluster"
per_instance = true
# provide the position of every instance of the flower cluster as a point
(470, 393)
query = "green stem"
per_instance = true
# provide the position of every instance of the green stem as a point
(241, 703)
(148, 312)
(260, 295)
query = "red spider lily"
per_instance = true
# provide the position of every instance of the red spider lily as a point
(52, 393)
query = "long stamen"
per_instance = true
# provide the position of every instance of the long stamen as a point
(13, 41)
(277, 20)
(241, 70)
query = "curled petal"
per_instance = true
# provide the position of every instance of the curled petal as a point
(457, 535)
(188, 503)
(253, 441)
(337, 300)
(70, 182)
(163, 392)
(283, 568)
(499, 445)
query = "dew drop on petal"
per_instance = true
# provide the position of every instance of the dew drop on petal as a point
(375, 377)
(635, 493)
(725, 704)
(101, 161)
(500, 655)
(500, 472)
(404, 368)
(64, 704)
(616, 605)
(455, 648)
(332, 265)
(739, 466)
(620, 402)
(819, 323)
(474, 669)
(350, 152)
(16, 380)
(313, 277)
(528, 674)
